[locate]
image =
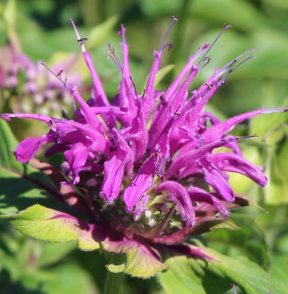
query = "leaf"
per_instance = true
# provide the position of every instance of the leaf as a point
(211, 225)
(280, 269)
(276, 191)
(249, 240)
(202, 225)
(238, 13)
(239, 182)
(70, 278)
(10, 12)
(161, 73)
(98, 35)
(54, 252)
(260, 125)
(55, 226)
(140, 262)
(32, 186)
(188, 275)
(68, 193)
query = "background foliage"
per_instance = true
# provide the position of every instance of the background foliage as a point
(43, 27)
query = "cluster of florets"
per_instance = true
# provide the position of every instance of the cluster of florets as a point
(151, 159)
(35, 89)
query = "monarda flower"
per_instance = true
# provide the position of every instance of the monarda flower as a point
(39, 91)
(148, 166)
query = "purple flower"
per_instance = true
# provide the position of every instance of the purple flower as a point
(39, 88)
(140, 158)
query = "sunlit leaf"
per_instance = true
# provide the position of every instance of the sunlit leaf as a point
(51, 225)
(188, 275)
(140, 260)
(249, 241)
(99, 34)
(10, 12)
(32, 186)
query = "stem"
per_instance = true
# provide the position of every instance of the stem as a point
(113, 281)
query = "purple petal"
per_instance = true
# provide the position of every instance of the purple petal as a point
(218, 130)
(29, 147)
(124, 152)
(192, 157)
(142, 259)
(197, 194)
(216, 180)
(234, 163)
(87, 112)
(165, 109)
(76, 158)
(141, 205)
(179, 195)
(141, 183)
(148, 101)
(113, 176)
(139, 135)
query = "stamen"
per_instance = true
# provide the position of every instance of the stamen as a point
(59, 73)
(210, 47)
(276, 109)
(112, 55)
(64, 114)
(208, 86)
(246, 137)
(207, 62)
(52, 123)
(58, 76)
(80, 40)
(165, 37)
(169, 45)
(231, 63)
(231, 70)
(134, 87)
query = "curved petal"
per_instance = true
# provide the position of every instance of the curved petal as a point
(179, 195)
(113, 176)
(197, 194)
(76, 158)
(234, 163)
(216, 180)
(29, 147)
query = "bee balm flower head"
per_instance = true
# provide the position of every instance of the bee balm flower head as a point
(141, 157)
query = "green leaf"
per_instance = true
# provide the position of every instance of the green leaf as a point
(98, 35)
(10, 12)
(70, 278)
(141, 261)
(239, 13)
(239, 182)
(188, 275)
(260, 125)
(51, 225)
(32, 186)
(280, 269)
(276, 191)
(249, 240)
(54, 252)
(208, 225)
(71, 197)
(160, 74)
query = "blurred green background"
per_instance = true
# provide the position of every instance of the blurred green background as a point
(45, 33)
